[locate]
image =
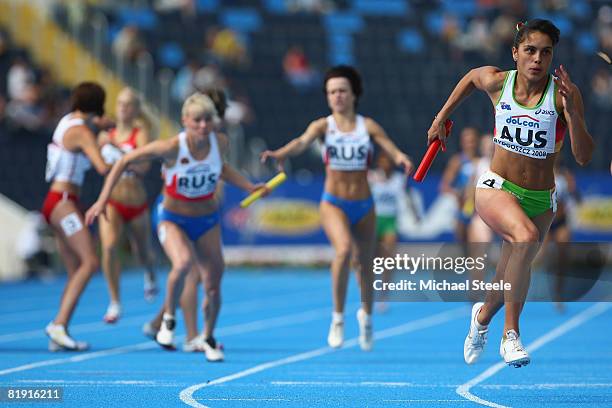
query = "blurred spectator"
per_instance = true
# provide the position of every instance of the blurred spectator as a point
(477, 37)
(298, 70)
(601, 86)
(227, 46)
(28, 111)
(450, 28)
(604, 27)
(128, 44)
(187, 8)
(208, 77)
(503, 29)
(309, 6)
(182, 86)
(19, 77)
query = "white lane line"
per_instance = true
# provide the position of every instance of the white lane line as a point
(580, 318)
(186, 395)
(545, 386)
(264, 324)
(97, 326)
(383, 384)
(423, 400)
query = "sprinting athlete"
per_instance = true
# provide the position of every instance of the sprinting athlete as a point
(188, 226)
(516, 198)
(71, 153)
(347, 208)
(128, 207)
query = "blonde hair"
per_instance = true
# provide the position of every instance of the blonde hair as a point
(200, 103)
(143, 118)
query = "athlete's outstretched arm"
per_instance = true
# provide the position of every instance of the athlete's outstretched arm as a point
(297, 145)
(379, 136)
(233, 176)
(166, 149)
(488, 78)
(573, 110)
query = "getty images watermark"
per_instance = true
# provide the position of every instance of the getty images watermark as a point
(410, 264)
(443, 272)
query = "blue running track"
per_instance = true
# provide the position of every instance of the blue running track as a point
(274, 325)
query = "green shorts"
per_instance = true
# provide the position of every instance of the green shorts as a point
(533, 202)
(385, 225)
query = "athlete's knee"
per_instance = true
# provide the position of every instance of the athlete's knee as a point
(109, 243)
(90, 264)
(343, 251)
(181, 265)
(525, 233)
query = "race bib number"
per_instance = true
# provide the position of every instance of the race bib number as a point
(71, 224)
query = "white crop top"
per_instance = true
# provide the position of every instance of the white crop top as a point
(62, 164)
(347, 151)
(533, 132)
(190, 179)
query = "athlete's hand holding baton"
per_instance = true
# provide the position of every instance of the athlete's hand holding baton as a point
(437, 138)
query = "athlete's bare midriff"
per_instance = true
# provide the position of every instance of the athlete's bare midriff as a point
(65, 187)
(349, 185)
(129, 191)
(190, 208)
(526, 172)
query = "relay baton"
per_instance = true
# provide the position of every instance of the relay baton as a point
(271, 184)
(431, 153)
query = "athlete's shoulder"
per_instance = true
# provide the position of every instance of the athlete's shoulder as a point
(489, 78)
(319, 125)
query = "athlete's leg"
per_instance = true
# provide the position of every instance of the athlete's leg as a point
(336, 227)
(211, 265)
(364, 235)
(189, 302)
(68, 223)
(140, 240)
(111, 228)
(501, 211)
(179, 250)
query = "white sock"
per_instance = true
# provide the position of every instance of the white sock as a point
(167, 316)
(337, 317)
(366, 317)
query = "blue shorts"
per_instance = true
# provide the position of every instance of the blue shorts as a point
(355, 210)
(194, 227)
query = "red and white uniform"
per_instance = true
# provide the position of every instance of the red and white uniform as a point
(190, 179)
(347, 151)
(62, 164)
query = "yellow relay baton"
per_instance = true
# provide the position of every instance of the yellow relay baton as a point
(271, 184)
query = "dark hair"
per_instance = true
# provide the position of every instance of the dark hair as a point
(348, 72)
(543, 26)
(88, 97)
(219, 100)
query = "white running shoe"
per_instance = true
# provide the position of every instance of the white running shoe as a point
(512, 350)
(150, 288)
(476, 338)
(165, 335)
(335, 338)
(61, 340)
(112, 313)
(194, 345)
(366, 339)
(212, 350)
